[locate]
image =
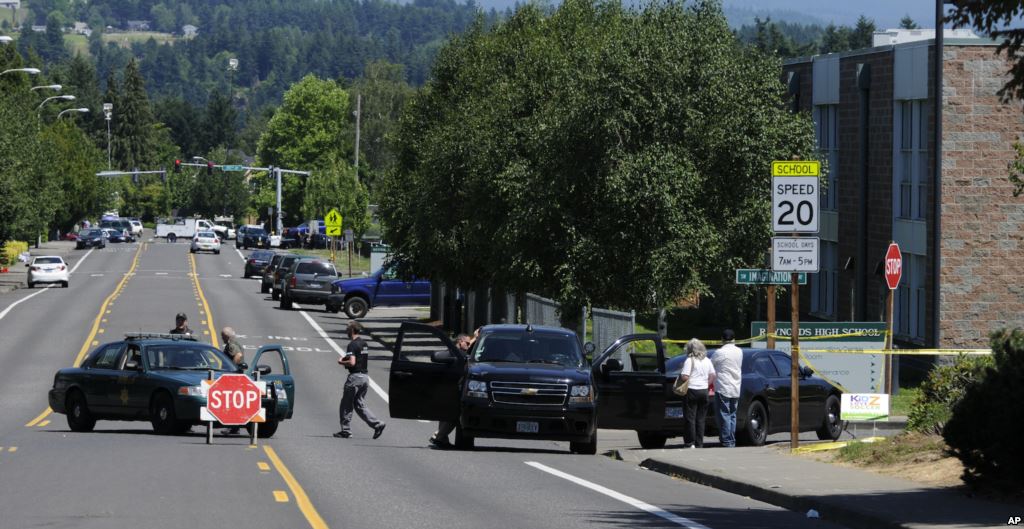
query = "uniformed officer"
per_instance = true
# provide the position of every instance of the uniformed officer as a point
(354, 397)
(233, 351)
(181, 324)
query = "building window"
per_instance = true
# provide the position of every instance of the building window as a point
(827, 131)
(825, 284)
(909, 311)
(911, 167)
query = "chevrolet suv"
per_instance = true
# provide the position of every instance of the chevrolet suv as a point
(308, 280)
(277, 282)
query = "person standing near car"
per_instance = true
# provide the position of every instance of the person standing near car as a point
(440, 438)
(233, 351)
(699, 370)
(181, 324)
(354, 396)
(728, 362)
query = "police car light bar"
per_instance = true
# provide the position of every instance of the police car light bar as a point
(158, 336)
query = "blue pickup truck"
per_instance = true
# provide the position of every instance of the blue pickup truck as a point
(383, 288)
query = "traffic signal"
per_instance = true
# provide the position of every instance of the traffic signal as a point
(177, 166)
(209, 168)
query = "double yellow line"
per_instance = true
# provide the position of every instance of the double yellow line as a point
(95, 327)
(202, 299)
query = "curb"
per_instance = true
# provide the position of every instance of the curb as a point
(829, 511)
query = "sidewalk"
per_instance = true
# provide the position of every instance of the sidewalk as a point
(855, 498)
(17, 273)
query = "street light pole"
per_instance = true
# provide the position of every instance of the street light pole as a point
(77, 110)
(51, 98)
(358, 113)
(108, 112)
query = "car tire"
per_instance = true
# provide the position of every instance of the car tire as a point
(264, 288)
(275, 294)
(162, 415)
(588, 447)
(831, 425)
(245, 274)
(192, 250)
(755, 429)
(356, 307)
(172, 238)
(80, 419)
(286, 302)
(463, 441)
(333, 309)
(31, 284)
(216, 252)
(651, 440)
(266, 430)
(64, 284)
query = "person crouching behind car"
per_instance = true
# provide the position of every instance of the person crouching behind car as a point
(444, 428)
(354, 396)
(699, 370)
(233, 351)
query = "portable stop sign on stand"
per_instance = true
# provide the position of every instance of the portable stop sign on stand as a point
(233, 400)
(893, 274)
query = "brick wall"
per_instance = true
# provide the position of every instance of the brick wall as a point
(982, 222)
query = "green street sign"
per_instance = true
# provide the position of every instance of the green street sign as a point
(756, 276)
(232, 167)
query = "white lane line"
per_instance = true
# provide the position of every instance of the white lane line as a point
(30, 296)
(240, 254)
(159, 273)
(341, 352)
(643, 506)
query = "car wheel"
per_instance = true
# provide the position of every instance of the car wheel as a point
(588, 447)
(286, 302)
(79, 417)
(356, 307)
(172, 238)
(162, 416)
(333, 309)
(275, 294)
(216, 252)
(192, 250)
(651, 440)
(64, 284)
(245, 274)
(755, 431)
(831, 425)
(266, 429)
(463, 441)
(31, 285)
(264, 288)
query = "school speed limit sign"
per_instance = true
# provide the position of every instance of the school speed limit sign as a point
(795, 204)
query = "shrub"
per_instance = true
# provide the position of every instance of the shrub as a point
(987, 426)
(943, 388)
(11, 250)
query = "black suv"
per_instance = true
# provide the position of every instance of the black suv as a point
(267, 282)
(277, 282)
(253, 237)
(257, 263)
(308, 280)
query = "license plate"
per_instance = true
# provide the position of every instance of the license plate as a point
(313, 285)
(527, 427)
(673, 412)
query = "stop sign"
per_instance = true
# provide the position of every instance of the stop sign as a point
(233, 399)
(893, 266)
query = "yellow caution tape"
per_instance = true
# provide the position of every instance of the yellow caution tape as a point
(923, 352)
(819, 447)
(823, 377)
(760, 337)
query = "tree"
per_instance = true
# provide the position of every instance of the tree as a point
(133, 141)
(595, 155)
(908, 23)
(335, 187)
(385, 91)
(863, 33)
(835, 39)
(218, 123)
(999, 20)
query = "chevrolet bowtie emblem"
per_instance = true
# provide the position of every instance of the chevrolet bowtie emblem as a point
(528, 391)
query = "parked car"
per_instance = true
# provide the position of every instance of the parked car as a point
(119, 225)
(47, 269)
(279, 273)
(205, 241)
(764, 405)
(381, 289)
(115, 234)
(308, 280)
(91, 238)
(157, 378)
(267, 281)
(136, 227)
(257, 263)
(254, 238)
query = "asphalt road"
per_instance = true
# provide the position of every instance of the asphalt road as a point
(123, 476)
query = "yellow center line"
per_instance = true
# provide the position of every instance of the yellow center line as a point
(281, 496)
(205, 305)
(44, 423)
(263, 466)
(12, 449)
(306, 506)
(95, 328)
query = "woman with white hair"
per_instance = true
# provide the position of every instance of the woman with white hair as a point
(700, 372)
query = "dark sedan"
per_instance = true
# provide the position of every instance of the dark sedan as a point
(764, 406)
(254, 238)
(116, 235)
(257, 263)
(158, 378)
(91, 238)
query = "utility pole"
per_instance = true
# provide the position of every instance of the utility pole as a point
(277, 175)
(108, 112)
(358, 113)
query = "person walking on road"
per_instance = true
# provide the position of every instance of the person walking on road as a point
(354, 396)
(440, 438)
(699, 370)
(728, 362)
(234, 351)
(181, 324)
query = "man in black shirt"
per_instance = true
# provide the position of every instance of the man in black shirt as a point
(354, 396)
(181, 324)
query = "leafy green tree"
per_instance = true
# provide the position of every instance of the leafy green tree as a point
(596, 155)
(74, 159)
(335, 187)
(384, 91)
(999, 20)
(908, 23)
(835, 39)
(218, 128)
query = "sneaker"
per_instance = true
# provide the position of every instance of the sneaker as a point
(693, 447)
(343, 435)
(439, 442)
(377, 430)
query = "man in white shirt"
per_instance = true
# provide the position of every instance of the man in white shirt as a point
(728, 362)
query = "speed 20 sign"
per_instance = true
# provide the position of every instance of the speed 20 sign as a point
(795, 195)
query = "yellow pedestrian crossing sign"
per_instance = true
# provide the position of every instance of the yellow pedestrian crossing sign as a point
(333, 223)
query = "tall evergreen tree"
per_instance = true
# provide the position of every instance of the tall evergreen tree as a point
(908, 23)
(863, 33)
(219, 123)
(133, 130)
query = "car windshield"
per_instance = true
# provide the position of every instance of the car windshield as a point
(187, 356)
(47, 260)
(261, 255)
(255, 231)
(207, 234)
(520, 346)
(316, 267)
(93, 233)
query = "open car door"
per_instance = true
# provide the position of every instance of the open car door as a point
(274, 357)
(631, 384)
(425, 374)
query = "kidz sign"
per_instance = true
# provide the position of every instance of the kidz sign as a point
(864, 407)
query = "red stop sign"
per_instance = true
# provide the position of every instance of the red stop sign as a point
(893, 266)
(233, 399)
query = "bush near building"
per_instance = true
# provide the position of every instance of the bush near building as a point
(987, 424)
(942, 390)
